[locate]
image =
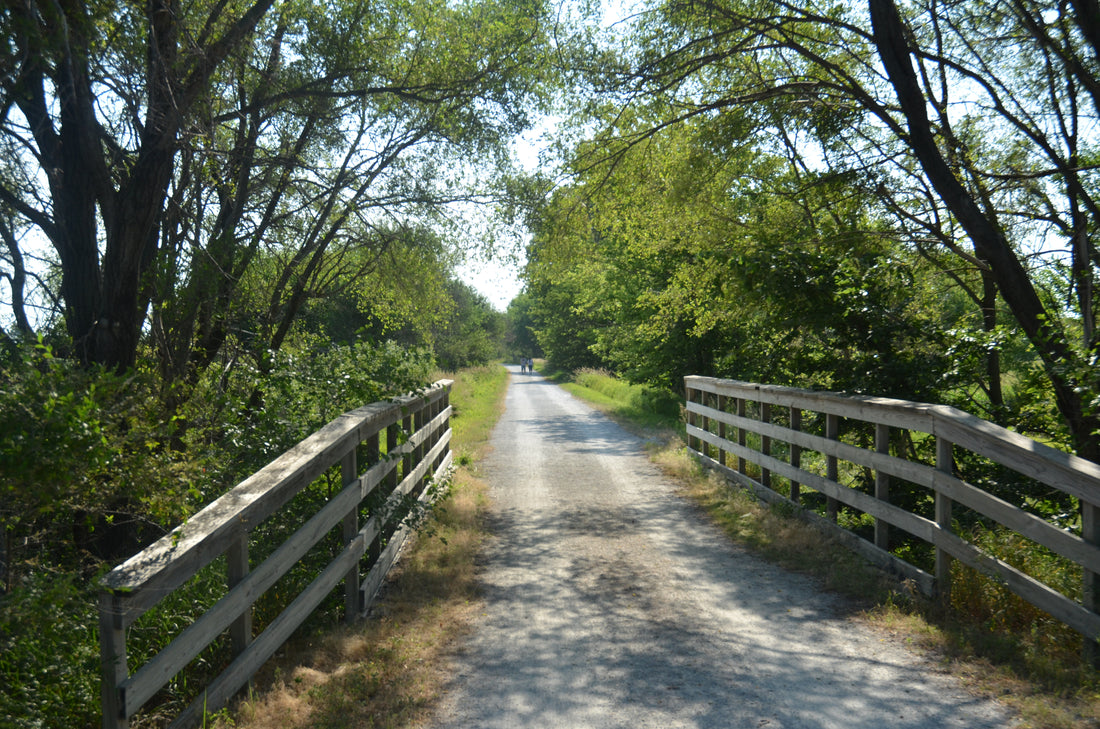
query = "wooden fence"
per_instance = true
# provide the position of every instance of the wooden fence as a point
(764, 425)
(393, 449)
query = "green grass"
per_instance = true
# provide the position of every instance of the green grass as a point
(477, 400)
(644, 407)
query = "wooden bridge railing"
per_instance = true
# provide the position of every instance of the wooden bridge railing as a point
(406, 444)
(756, 423)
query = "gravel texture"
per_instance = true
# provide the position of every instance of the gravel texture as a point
(611, 602)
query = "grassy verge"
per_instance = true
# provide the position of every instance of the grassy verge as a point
(387, 671)
(646, 408)
(1049, 689)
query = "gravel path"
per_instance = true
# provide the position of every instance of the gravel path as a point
(610, 602)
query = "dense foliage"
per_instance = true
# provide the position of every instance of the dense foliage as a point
(225, 222)
(897, 198)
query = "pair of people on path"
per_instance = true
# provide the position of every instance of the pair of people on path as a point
(526, 364)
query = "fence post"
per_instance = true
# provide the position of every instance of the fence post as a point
(945, 462)
(373, 454)
(722, 404)
(240, 632)
(349, 474)
(420, 419)
(408, 425)
(704, 424)
(742, 464)
(765, 443)
(438, 407)
(796, 453)
(1090, 596)
(882, 486)
(832, 471)
(393, 433)
(689, 395)
(113, 668)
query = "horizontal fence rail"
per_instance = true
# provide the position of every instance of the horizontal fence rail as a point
(387, 454)
(732, 424)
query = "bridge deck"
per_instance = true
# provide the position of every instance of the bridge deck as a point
(611, 602)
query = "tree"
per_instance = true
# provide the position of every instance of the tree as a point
(974, 122)
(520, 340)
(161, 149)
(706, 254)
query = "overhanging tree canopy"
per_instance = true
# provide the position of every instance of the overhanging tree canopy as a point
(159, 147)
(974, 124)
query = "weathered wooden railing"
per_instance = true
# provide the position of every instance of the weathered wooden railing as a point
(721, 415)
(405, 444)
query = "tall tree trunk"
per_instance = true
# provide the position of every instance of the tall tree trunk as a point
(1063, 366)
(993, 355)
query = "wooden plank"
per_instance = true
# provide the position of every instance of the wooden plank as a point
(113, 668)
(722, 405)
(917, 473)
(1060, 607)
(1069, 473)
(741, 434)
(1090, 579)
(207, 534)
(945, 463)
(766, 442)
(349, 476)
(158, 570)
(149, 679)
(882, 486)
(141, 581)
(1028, 588)
(372, 582)
(878, 410)
(796, 453)
(1035, 528)
(832, 432)
(1065, 471)
(236, 675)
(1029, 525)
(237, 567)
(1055, 468)
(912, 523)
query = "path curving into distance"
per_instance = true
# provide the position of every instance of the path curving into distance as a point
(609, 601)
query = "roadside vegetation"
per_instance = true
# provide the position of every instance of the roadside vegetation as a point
(388, 671)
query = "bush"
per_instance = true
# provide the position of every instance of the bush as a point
(84, 472)
(49, 654)
(91, 471)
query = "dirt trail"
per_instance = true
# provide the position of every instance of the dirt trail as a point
(609, 602)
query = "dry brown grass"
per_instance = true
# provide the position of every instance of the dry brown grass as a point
(389, 670)
(1070, 700)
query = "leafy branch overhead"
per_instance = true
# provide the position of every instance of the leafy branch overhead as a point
(183, 144)
(962, 136)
